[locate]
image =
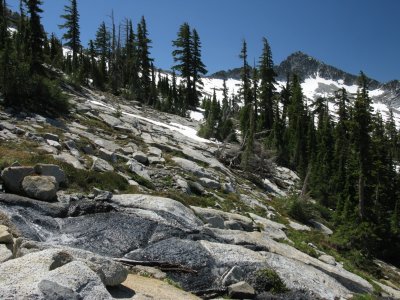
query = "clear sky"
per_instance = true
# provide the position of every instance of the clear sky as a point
(352, 35)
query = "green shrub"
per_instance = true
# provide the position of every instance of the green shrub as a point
(301, 211)
(267, 280)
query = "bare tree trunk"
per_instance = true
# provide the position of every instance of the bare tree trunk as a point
(305, 185)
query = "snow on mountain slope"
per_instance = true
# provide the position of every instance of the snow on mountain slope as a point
(313, 87)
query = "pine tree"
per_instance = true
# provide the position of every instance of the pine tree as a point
(36, 37)
(102, 46)
(3, 24)
(246, 92)
(72, 34)
(267, 87)
(362, 140)
(182, 55)
(144, 62)
(198, 68)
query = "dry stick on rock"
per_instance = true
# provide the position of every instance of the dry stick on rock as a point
(163, 266)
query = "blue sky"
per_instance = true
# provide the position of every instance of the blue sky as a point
(353, 35)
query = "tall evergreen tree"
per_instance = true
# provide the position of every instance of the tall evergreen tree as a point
(36, 37)
(362, 140)
(267, 87)
(144, 62)
(3, 23)
(198, 68)
(246, 92)
(102, 45)
(182, 55)
(72, 34)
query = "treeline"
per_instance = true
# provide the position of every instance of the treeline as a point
(117, 60)
(347, 162)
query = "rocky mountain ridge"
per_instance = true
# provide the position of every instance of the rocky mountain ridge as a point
(307, 67)
(120, 182)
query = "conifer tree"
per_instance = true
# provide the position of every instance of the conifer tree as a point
(102, 46)
(182, 55)
(72, 34)
(3, 23)
(198, 68)
(267, 87)
(246, 92)
(144, 62)
(36, 37)
(362, 140)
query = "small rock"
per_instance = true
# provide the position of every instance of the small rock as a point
(69, 159)
(330, 260)
(232, 225)
(141, 157)
(154, 160)
(51, 170)
(51, 137)
(107, 155)
(5, 236)
(104, 196)
(71, 146)
(233, 276)
(209, 183)
(40, 187)
(54, 144)
(137, 168)
(128, 150)
(5, 253)
(153, 151)
(47, 149)
(100, 165)
(228, 187)
(196, 188)
(241, 290)
(13, 176)
(321, 227)
(88, 149)
(298, 227)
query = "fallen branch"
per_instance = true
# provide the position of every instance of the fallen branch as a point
(163, 266)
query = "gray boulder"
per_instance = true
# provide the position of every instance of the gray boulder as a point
(241, 290)
(49, 273)
(321, 227)
(141, 157)
(5, 235)
(234, 275)
(54, 144)
(100, 165)
(51, 170)
(231, 221)
(107, 155)
(13, 176)
(5, 253)
(209, 183)
(40, 187)
(139, 169)
(69, 159)
(191, 167)
(51, 137)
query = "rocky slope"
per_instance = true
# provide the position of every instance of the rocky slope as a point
(119, 183)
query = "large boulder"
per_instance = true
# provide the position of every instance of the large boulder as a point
(110, 272)
(40, 187)
(50, 274)
(100, 165)
(69, 159)
(107, 155)
(13, 177)
(51, 170)
(139, 169)
(191, 167)
(232, 221)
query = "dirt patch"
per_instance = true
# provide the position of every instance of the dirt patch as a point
(143, 288)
